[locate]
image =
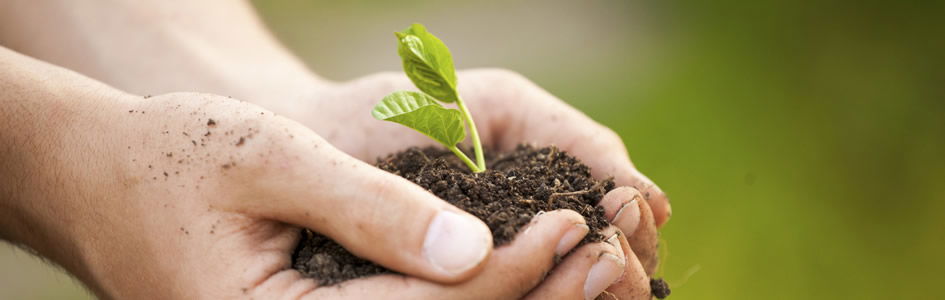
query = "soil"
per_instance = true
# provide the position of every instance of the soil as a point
(517, 186)
(659, 288)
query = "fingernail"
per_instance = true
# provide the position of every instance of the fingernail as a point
(456, 243)
(571, 238)
(608, 268)
(614, 240)
(628, 217)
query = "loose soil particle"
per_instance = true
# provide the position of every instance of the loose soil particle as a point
(517, 186)
(659, 288)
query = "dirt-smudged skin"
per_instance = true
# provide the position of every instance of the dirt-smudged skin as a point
(517, 186)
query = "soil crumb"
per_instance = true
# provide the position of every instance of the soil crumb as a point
(517, 186)
(659, 288)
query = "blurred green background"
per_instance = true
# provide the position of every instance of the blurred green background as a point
(802, 142)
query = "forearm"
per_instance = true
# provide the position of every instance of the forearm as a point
(154, 47)
(44, 111)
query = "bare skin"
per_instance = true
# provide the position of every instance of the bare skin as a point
(147, 198)
(226, 51)
(220, 47)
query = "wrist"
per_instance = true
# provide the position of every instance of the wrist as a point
(49, 118)
(207, 47)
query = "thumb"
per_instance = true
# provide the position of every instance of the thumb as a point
(374, 214)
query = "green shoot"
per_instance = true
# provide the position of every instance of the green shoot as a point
(429, 65)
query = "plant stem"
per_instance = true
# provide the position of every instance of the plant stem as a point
(472, 166)
(477, 145)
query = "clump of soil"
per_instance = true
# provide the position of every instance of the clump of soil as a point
(659, 288)
(517, 186)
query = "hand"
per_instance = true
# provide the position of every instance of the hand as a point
(150, 198)
(248, 64)
(508, 110)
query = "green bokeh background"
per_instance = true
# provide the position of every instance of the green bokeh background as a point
(802, 142)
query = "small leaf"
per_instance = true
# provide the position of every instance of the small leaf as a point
(427, 62)
(422, 113)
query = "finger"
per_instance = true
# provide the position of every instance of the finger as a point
(602, 150)
(510, 273)
(624, 207)
(372, 213)
(585, 273)
(645, 240)
(635, 282)
(655, 197)
(550, 121)
(621, 208)
(285, 284)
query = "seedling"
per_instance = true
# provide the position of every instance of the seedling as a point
(429, 65)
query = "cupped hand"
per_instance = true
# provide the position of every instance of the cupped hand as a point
(508, 110)
(194, 196)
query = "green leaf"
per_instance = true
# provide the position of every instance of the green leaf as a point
(427, 62)
(422, 113)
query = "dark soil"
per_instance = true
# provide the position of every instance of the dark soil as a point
(517, 186)
(659, 288)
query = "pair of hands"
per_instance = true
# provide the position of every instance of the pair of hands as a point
(146, 198)
(195, 199)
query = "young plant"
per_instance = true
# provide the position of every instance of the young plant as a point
(429, 65)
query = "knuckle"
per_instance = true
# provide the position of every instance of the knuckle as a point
(378, 187)
(610, 136)
(388, 77)
(501, 75)
(526, 277)
(214, 130)
(506, 80)
(608, 139)
(243, 136)
(499, 87)
(376, 192)
(256, 141)
(386, 81)
(376, 85)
